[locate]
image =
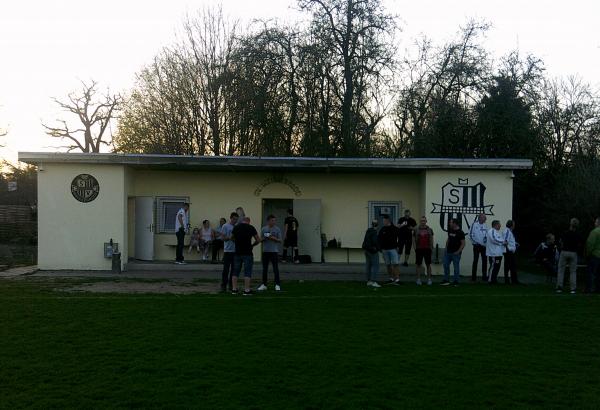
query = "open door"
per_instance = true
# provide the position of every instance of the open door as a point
(308, 214)
(144, 228)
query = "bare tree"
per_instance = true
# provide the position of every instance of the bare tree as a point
(452, 78)
(569, 118)
(360, 36)
(94, 116)
(210, 45)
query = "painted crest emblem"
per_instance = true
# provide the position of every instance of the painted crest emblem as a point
(85, 188)
(462, 202)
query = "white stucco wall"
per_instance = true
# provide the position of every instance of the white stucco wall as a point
(344, 200)
(498, 192)
(71, 234)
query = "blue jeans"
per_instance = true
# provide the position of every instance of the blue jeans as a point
(247, 260)
(372, 266)
(455, 259)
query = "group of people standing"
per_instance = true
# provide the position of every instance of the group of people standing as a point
(555, 255)
(239, 237)
(393, 240)
(491, 244)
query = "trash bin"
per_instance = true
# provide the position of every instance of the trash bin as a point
(116, 262)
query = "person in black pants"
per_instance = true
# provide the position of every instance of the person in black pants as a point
(181, 225)
(228, 251)
(510, 259)
(495, 245)
(217, 243)
(406, 226)
(290, 236)
(271, 238)
(477, 234)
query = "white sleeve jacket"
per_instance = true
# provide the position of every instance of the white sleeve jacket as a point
(478, 233)
(495, 243)
(510, 238)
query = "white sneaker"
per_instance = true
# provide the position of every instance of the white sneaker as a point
(419, 283)
(429, 282)
(375, 285)
(262, 287)
(277, 288)
(369, 283)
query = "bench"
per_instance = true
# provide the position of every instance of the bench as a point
(346, 248)
(219, 254)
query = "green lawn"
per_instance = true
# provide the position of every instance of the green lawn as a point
(317, 345)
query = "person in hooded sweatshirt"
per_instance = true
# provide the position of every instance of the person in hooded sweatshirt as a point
(494, 248)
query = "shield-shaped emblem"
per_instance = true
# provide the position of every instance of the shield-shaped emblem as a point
(460, 202)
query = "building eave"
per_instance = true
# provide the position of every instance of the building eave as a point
(289, 164)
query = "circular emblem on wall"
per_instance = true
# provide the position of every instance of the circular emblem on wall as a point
(85, 188)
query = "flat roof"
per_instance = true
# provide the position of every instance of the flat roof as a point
(216, 163)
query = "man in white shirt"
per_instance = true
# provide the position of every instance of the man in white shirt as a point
(181, 226)
(510, 263)
(477, 234)
(494, 248)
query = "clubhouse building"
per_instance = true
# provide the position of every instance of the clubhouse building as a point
(85, 200)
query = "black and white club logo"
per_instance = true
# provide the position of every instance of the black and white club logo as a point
(85, 188)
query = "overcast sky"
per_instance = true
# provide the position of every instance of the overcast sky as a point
(46, 47)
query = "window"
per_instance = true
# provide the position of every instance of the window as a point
(379, 208)
(166, 212)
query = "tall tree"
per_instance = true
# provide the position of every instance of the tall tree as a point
(451, 78)
(359, 35)
(94, 114)
(211, 40)
(569, 114)
(505, 127)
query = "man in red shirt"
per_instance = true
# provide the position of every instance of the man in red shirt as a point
(423, 238)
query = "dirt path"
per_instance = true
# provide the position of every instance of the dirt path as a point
(179, 288)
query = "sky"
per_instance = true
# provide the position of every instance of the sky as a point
(48, 47)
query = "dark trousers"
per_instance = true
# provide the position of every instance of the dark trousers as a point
(479, 250)
(179, 249)
(495, 262)
(510, 266)
(272, 257)
(404, 244)
(294, 257)
(217, 245)
(593, 275)
(228, 258)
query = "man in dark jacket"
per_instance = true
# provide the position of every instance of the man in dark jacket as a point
(388, 238)
(571, 246)
(371, 247)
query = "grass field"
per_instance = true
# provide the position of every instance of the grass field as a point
(316, 345)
